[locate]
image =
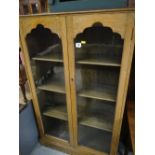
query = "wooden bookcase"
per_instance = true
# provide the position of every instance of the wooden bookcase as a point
(78, 65)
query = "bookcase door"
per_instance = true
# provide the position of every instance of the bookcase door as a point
(45, 50)
(98, 45)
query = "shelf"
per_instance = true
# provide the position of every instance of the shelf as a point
(59, 112)
(49, 57)
(53, 87)
(101, 44)
(98, 122)
(100, 62)
(101, 94)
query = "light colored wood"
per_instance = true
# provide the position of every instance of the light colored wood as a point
(101, 44)
(95, 122)
(67, 77)
(30, 22)
(56, 140)
(98, 94)
(25, 28)
(59, 112)
(82, 150)
(100, 62)
(56, 143)
(57, 25)
(53, 86)
(123, 82)
(48, 57)
(105, 11)
(71, 56)
(107, 20)
(67, 26)
(76, 24)
(65, 147)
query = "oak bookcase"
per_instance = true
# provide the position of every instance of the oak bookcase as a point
(78, 66)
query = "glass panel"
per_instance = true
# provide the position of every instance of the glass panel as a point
(94, 138)
(98, 53)
(46, 58)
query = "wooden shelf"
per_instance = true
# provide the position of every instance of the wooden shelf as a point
(101, 44)
(100, 62)
(101, 94)
(49, 57)
(98, 122)
(59, 112)
(53, 87)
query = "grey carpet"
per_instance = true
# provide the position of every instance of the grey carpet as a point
(43, 150)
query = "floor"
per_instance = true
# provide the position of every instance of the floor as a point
(43, 150)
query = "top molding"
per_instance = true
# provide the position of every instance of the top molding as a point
(122, 10)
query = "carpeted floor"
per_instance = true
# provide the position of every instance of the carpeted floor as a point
(43, 150)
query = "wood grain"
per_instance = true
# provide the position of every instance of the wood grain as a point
(95, 122)
(53, 86)
(98, 94)
(59, 112)
(67, 26)
(100, 62)
(123, 82)
(48, 57)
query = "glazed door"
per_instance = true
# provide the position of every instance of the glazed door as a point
(98, 46)
(44, 45)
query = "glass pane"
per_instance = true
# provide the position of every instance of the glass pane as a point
(45, 51)
(98, 53)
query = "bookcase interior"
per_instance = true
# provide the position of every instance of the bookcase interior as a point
(56, 127)
(98, 54)
(46, 59)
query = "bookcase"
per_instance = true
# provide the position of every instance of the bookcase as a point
(78, 66)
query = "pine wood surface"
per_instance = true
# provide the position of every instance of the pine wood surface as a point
(53, 87)
(67, 26)
(57, 112)
(49, 57)
(98, 94)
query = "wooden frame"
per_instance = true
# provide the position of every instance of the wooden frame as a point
(55, 27)
(67, 26)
